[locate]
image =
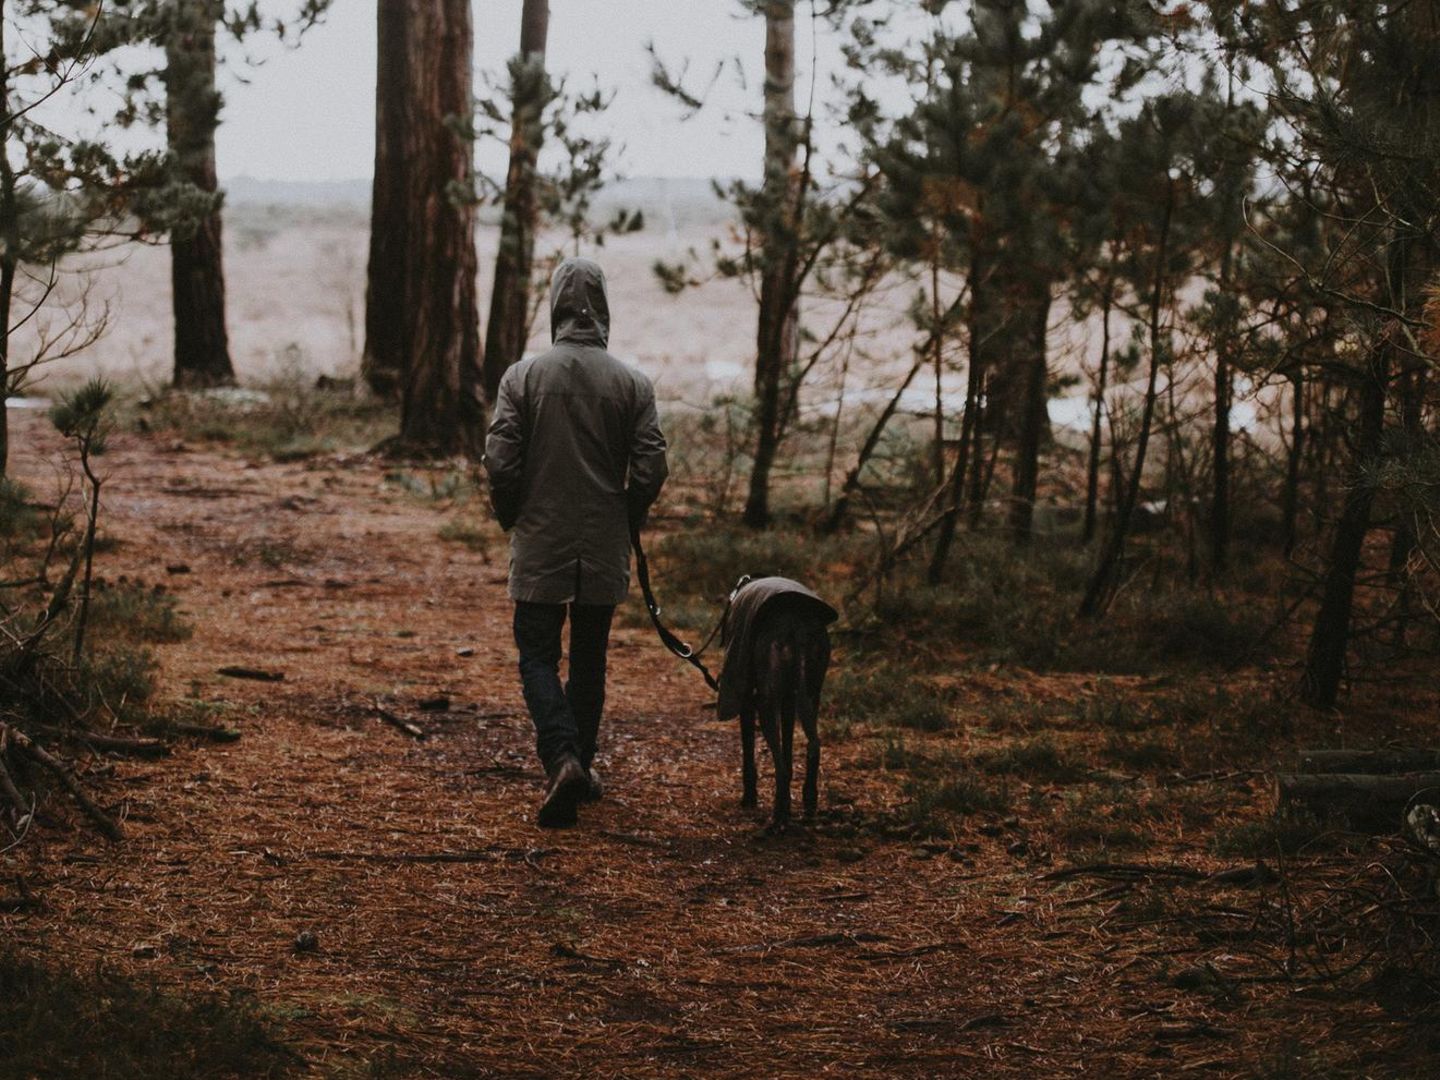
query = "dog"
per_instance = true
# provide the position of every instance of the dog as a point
(777, 652)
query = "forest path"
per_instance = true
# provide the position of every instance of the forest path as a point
(665, 936)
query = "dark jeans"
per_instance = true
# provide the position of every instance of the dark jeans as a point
(567, 719)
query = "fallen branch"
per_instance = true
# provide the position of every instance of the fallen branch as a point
(472, 855)
(103, 821)
(809, 941)
(258, 674)
(396, 722)
(213, 732)
(115, 744)
(1110, 869)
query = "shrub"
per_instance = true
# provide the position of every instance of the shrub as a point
(129, 612)
(287, 418)
(706, 563)
(18, 519)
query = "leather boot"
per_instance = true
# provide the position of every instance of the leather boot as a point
(568, 785)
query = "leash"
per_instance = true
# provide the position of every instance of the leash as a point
(667, 636)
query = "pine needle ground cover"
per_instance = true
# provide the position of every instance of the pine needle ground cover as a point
(1016, 870)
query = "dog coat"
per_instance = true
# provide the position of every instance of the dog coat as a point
(738, 633)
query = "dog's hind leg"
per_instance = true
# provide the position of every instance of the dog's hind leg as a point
(814, 660)
(774, 661)
(808, 705)
(770, 729)
(785, 762)
(747, 755)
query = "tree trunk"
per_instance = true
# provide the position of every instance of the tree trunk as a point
(1102, 585)
(1402, 545)
(1034, 417)
(1325, 661)
(1220, 432)
(7, 294)
(1092, 471)
(956, 497)
(421, 292)
(506, 332)
(197, 273)
(872, 440)
(775, 331)
(1290, 498)
(383, 361)
(937, 341)
(986, 325)
(978, 485)
(9, 250)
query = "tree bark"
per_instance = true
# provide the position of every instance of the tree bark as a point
(197, 273)
(969, 431)
(9, 250)
(775, 330)
(1220, 431)
(1402, 545)
(383, 361)
(1034, 417)
(985, 326)
(420, 302)
(1290, 498)
(1092, 470)
(506, 331)
(1325, 660)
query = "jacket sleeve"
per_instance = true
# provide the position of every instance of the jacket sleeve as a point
(505, 455)
(648, 467)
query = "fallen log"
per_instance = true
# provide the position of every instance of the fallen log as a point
(1362, 796)
(1369, 761)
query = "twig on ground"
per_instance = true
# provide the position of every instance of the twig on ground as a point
(413, 730)
(259, 675)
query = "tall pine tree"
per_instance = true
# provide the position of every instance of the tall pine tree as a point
(422, 325)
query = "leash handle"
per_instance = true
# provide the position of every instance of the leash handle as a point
(667, 637)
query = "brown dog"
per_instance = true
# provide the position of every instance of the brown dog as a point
(777, 651)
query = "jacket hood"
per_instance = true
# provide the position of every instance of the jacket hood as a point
(579, 304)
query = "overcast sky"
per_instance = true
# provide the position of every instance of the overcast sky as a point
(308, 114)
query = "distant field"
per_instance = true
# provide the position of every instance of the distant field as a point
(295, 258)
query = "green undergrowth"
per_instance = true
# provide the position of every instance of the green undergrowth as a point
(286, 418)
(1101, 769)
(61, 1022)
(996, 604)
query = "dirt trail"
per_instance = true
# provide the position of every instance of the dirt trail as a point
(664, 936)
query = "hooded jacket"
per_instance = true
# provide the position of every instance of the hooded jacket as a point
(574, 453)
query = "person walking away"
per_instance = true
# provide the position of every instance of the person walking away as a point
(575, 457)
